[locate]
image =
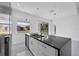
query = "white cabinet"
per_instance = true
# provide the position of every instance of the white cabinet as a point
(33, 45)
(46, 50)
(41, 49)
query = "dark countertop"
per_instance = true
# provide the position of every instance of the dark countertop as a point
(53, 41)
(57, 41)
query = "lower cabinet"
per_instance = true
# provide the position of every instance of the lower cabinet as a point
(33, 46)
(45, 50)
(40, 49)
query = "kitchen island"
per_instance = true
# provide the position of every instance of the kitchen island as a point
(51, 46)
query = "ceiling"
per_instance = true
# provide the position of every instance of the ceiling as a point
(77, 6)
(5, 8)
(5, 4)
(48, 10)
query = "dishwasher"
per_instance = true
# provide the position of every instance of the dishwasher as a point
(27, 41)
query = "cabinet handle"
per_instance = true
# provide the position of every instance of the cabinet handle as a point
(44, 46)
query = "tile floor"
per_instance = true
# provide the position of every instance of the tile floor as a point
(20, 50)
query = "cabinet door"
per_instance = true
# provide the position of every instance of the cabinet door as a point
(42, 49)
(33, 46)
(53, 51)
(46, 50)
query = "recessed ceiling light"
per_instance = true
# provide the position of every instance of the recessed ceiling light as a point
(52, 10)
(54, 14)
(37, 8)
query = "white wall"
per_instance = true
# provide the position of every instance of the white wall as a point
(19, 37)
(68, 27)
(16, 37)
(35, 21)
